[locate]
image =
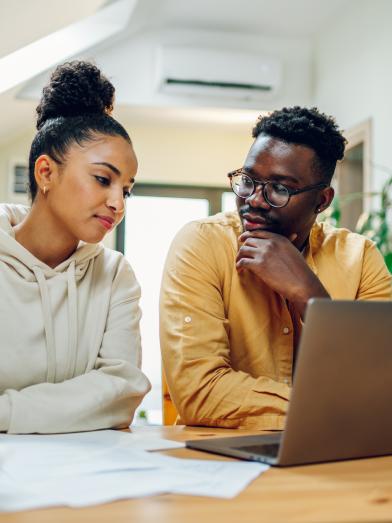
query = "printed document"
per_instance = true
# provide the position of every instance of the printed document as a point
(88, 468)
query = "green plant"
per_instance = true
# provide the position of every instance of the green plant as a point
(374, 224)
(142, 414)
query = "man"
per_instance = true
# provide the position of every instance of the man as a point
(235, 286)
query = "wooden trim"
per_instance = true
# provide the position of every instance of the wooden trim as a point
(362, 134)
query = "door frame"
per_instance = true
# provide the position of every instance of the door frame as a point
(362, 134)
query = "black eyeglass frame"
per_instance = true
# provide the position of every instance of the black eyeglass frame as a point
(255, 183)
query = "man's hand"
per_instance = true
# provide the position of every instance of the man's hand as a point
(275, 260)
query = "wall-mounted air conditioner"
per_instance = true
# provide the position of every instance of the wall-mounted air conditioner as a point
(212, 73)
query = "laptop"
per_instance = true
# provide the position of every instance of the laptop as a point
(340, 406)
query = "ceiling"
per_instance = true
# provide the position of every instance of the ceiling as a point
(269, 17)
(24, 21)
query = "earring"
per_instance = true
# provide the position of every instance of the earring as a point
(44, 190)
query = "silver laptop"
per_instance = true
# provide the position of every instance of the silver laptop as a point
(340, 407)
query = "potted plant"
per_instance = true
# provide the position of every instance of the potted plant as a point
(374, 224)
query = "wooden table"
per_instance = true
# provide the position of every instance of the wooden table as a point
(350, 491)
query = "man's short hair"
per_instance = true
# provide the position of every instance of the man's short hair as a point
(309, 127)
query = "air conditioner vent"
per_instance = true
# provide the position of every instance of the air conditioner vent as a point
(223, 85)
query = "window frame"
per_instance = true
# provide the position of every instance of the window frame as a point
(213, 194)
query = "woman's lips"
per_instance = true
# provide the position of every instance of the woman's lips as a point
(105, 221)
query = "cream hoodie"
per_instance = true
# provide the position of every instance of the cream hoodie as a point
(69, 338)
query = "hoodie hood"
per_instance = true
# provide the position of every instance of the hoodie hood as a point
(31, 269)
(23, 262)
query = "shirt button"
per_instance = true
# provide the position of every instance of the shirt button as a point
(187, 319)
(286, 330)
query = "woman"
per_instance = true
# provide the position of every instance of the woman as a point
(69, 315)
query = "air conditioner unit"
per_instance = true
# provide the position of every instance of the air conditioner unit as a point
(212, 73)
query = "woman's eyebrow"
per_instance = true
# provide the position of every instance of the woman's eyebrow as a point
(110, 166)
(113, 168)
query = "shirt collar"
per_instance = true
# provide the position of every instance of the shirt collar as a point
(313, 245)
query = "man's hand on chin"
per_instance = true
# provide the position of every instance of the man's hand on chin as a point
(274, 259)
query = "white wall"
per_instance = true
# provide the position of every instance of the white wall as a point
(353, 74)
(132, 63)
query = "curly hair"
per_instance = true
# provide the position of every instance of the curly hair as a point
(75, 107)
(309, 127)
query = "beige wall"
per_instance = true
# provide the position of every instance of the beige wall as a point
(171, 154)
(189, 155)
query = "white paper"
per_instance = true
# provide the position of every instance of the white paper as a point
(39, 457)
(149, 442)
(97, 467)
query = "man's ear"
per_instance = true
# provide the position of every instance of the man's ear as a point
(325, 199)
(45, 171)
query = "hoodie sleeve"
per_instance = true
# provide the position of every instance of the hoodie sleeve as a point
(106, 396)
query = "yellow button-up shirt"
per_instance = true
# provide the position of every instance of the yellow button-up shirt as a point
(227, 339)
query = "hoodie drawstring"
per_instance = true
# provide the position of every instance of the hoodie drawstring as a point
(48, 324)
(72, 319)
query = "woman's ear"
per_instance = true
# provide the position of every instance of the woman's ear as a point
(325, 199)
(45, 171)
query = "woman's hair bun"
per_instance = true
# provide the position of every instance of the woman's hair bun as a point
(76, 88)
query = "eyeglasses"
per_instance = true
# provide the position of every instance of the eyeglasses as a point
(275, 194)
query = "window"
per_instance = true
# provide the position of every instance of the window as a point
(154, 215)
